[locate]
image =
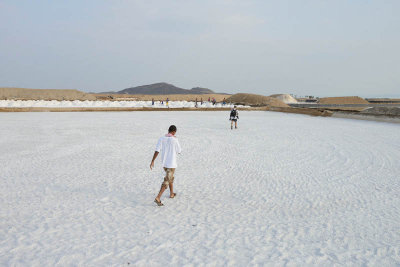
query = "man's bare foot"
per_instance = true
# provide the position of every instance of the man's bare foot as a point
(172, 195)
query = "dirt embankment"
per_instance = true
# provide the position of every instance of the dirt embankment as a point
(345, 100)
(43, 94)
(384, 100)
(256, 100)
(305, 111)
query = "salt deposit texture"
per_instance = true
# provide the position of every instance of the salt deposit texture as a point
(76, 189)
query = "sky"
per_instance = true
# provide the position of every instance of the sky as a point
(301, 47)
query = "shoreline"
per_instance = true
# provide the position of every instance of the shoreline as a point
(366, 117)
(320, 112)
(106, 109)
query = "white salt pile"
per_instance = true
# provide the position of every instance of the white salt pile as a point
(108, 104)
(286, 98)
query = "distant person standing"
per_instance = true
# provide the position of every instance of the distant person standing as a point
(169, 147)
(167, 102)
(234, 116)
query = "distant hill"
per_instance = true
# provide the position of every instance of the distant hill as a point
(163, 89)
(199, 91)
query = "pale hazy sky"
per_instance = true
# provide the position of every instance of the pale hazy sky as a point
(320, 47)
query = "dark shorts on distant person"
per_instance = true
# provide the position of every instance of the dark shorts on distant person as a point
(169, 176)
(233, 119)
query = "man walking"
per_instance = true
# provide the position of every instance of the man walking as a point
(169, 147)
(234, 116)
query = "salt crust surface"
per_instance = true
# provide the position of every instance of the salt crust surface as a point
(107, 104)
(76, 189)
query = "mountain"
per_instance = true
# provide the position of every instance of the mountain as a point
(163, 89)
(199, 91)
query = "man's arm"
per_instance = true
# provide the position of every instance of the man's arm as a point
(154, 158)
(178, 147)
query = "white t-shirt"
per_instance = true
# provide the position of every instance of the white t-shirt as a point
(169, 147)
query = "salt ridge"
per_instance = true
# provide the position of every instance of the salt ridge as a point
(116, 104)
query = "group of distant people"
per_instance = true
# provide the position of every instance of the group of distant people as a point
(169, 147)
(162, 102)
(212, 100)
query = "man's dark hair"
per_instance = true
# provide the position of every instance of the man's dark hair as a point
(172, 128)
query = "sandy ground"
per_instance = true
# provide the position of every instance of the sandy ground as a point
(343, 100)
(44, 94)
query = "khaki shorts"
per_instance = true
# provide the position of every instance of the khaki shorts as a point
(169, 176)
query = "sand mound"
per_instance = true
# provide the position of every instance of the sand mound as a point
(256, 100)
(288, 99)
(343, 100)
(44, 94)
